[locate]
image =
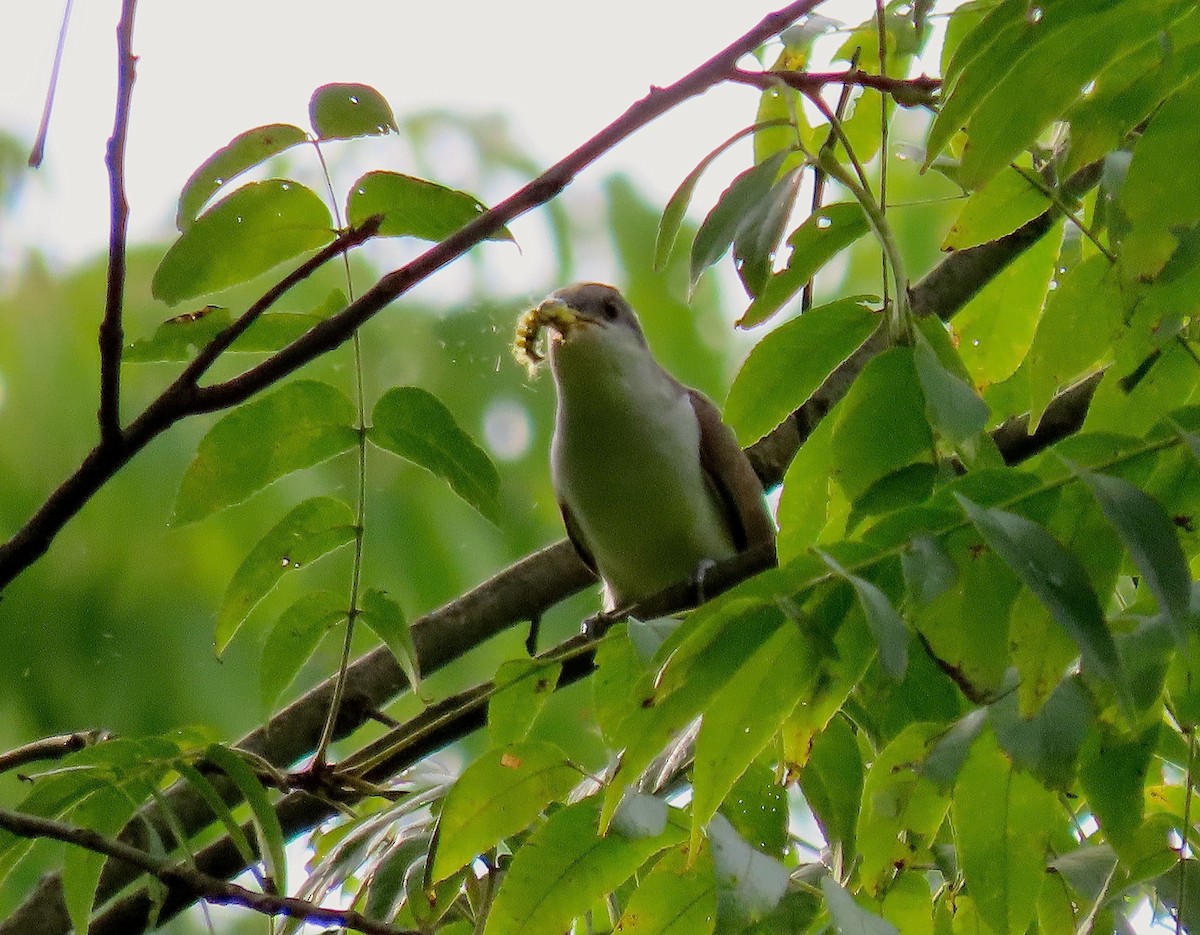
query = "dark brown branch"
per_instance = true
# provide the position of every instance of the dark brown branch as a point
(906, 91)
(199, 884)
(50, 748)
(112, 332)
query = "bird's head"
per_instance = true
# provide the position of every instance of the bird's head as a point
(584, 313)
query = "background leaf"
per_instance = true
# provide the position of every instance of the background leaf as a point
(413, 207)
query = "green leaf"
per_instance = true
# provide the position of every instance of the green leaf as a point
(312, 529)
(1082, 319)
(564, 868)
(1150, 537)
(1113, 776)
(743, 717)
(1000, 207)
(885, 403)
(256, 228)
(677, 897)
(946, 759)
(832, 782)
(301, 424)
(788, 365)
(810, 493)
(953, 408)
(755, 244)
(995, 328)
(1161, 192)
(523, 686)
(413, 424)
(266, 822)
(848, 916)
(1045, 80)
(677, 205)
(243, 152)
(293, 640)
(344, 111)
(826, 232)
(413, 207)
(1048, 743)
(383, 617)
(498, 795)
(1002, 823)
(1056, 577)
(212, 798)
(106, 811)
(886, 625)
(735, 208)
(901, 810)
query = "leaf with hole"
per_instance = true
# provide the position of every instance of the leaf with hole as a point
(415, 425)
(343, 111)
(259, 226)
(300, 424)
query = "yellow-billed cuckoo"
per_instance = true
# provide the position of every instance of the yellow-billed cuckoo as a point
(651, 483)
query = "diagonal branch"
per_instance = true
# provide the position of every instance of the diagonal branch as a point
(199, 884)
(112, 334)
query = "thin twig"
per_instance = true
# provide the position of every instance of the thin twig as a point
(906, 91)
(38, 152)
(50, 748)
(112, 332)
(881, 31)
(200, 883)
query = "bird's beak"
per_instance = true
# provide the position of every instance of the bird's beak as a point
(559, 317)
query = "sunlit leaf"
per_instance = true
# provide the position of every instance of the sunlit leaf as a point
(266, 822)
(825, 232)
(298, 425)
(744, 716)
(729, 216)
(343, 111)
(564, 867)
(293, 639)
(1002, 823)
(252, 230)
(312, 529)
(1056, 577)
(1000, 207)
(1083, 317)
(243, 152)
(757, 808)
(413, 424)
(413, 207)
(677, 897)
(788, 365)
(498, 795)
(523, 687)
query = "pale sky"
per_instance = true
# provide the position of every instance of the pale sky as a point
(208, 71)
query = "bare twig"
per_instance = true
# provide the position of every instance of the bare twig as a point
(38, 152)
(905, 91)
(201, 885)
(50, 748)
(112, 332)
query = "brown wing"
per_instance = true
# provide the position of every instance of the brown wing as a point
(576, 536)
(729, 472)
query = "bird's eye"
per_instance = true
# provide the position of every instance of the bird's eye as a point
(610, 310)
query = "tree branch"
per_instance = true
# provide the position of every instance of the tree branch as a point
(905, 91)
(112, 333)
(199, 884)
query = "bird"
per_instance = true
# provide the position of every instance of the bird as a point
(652, 486)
